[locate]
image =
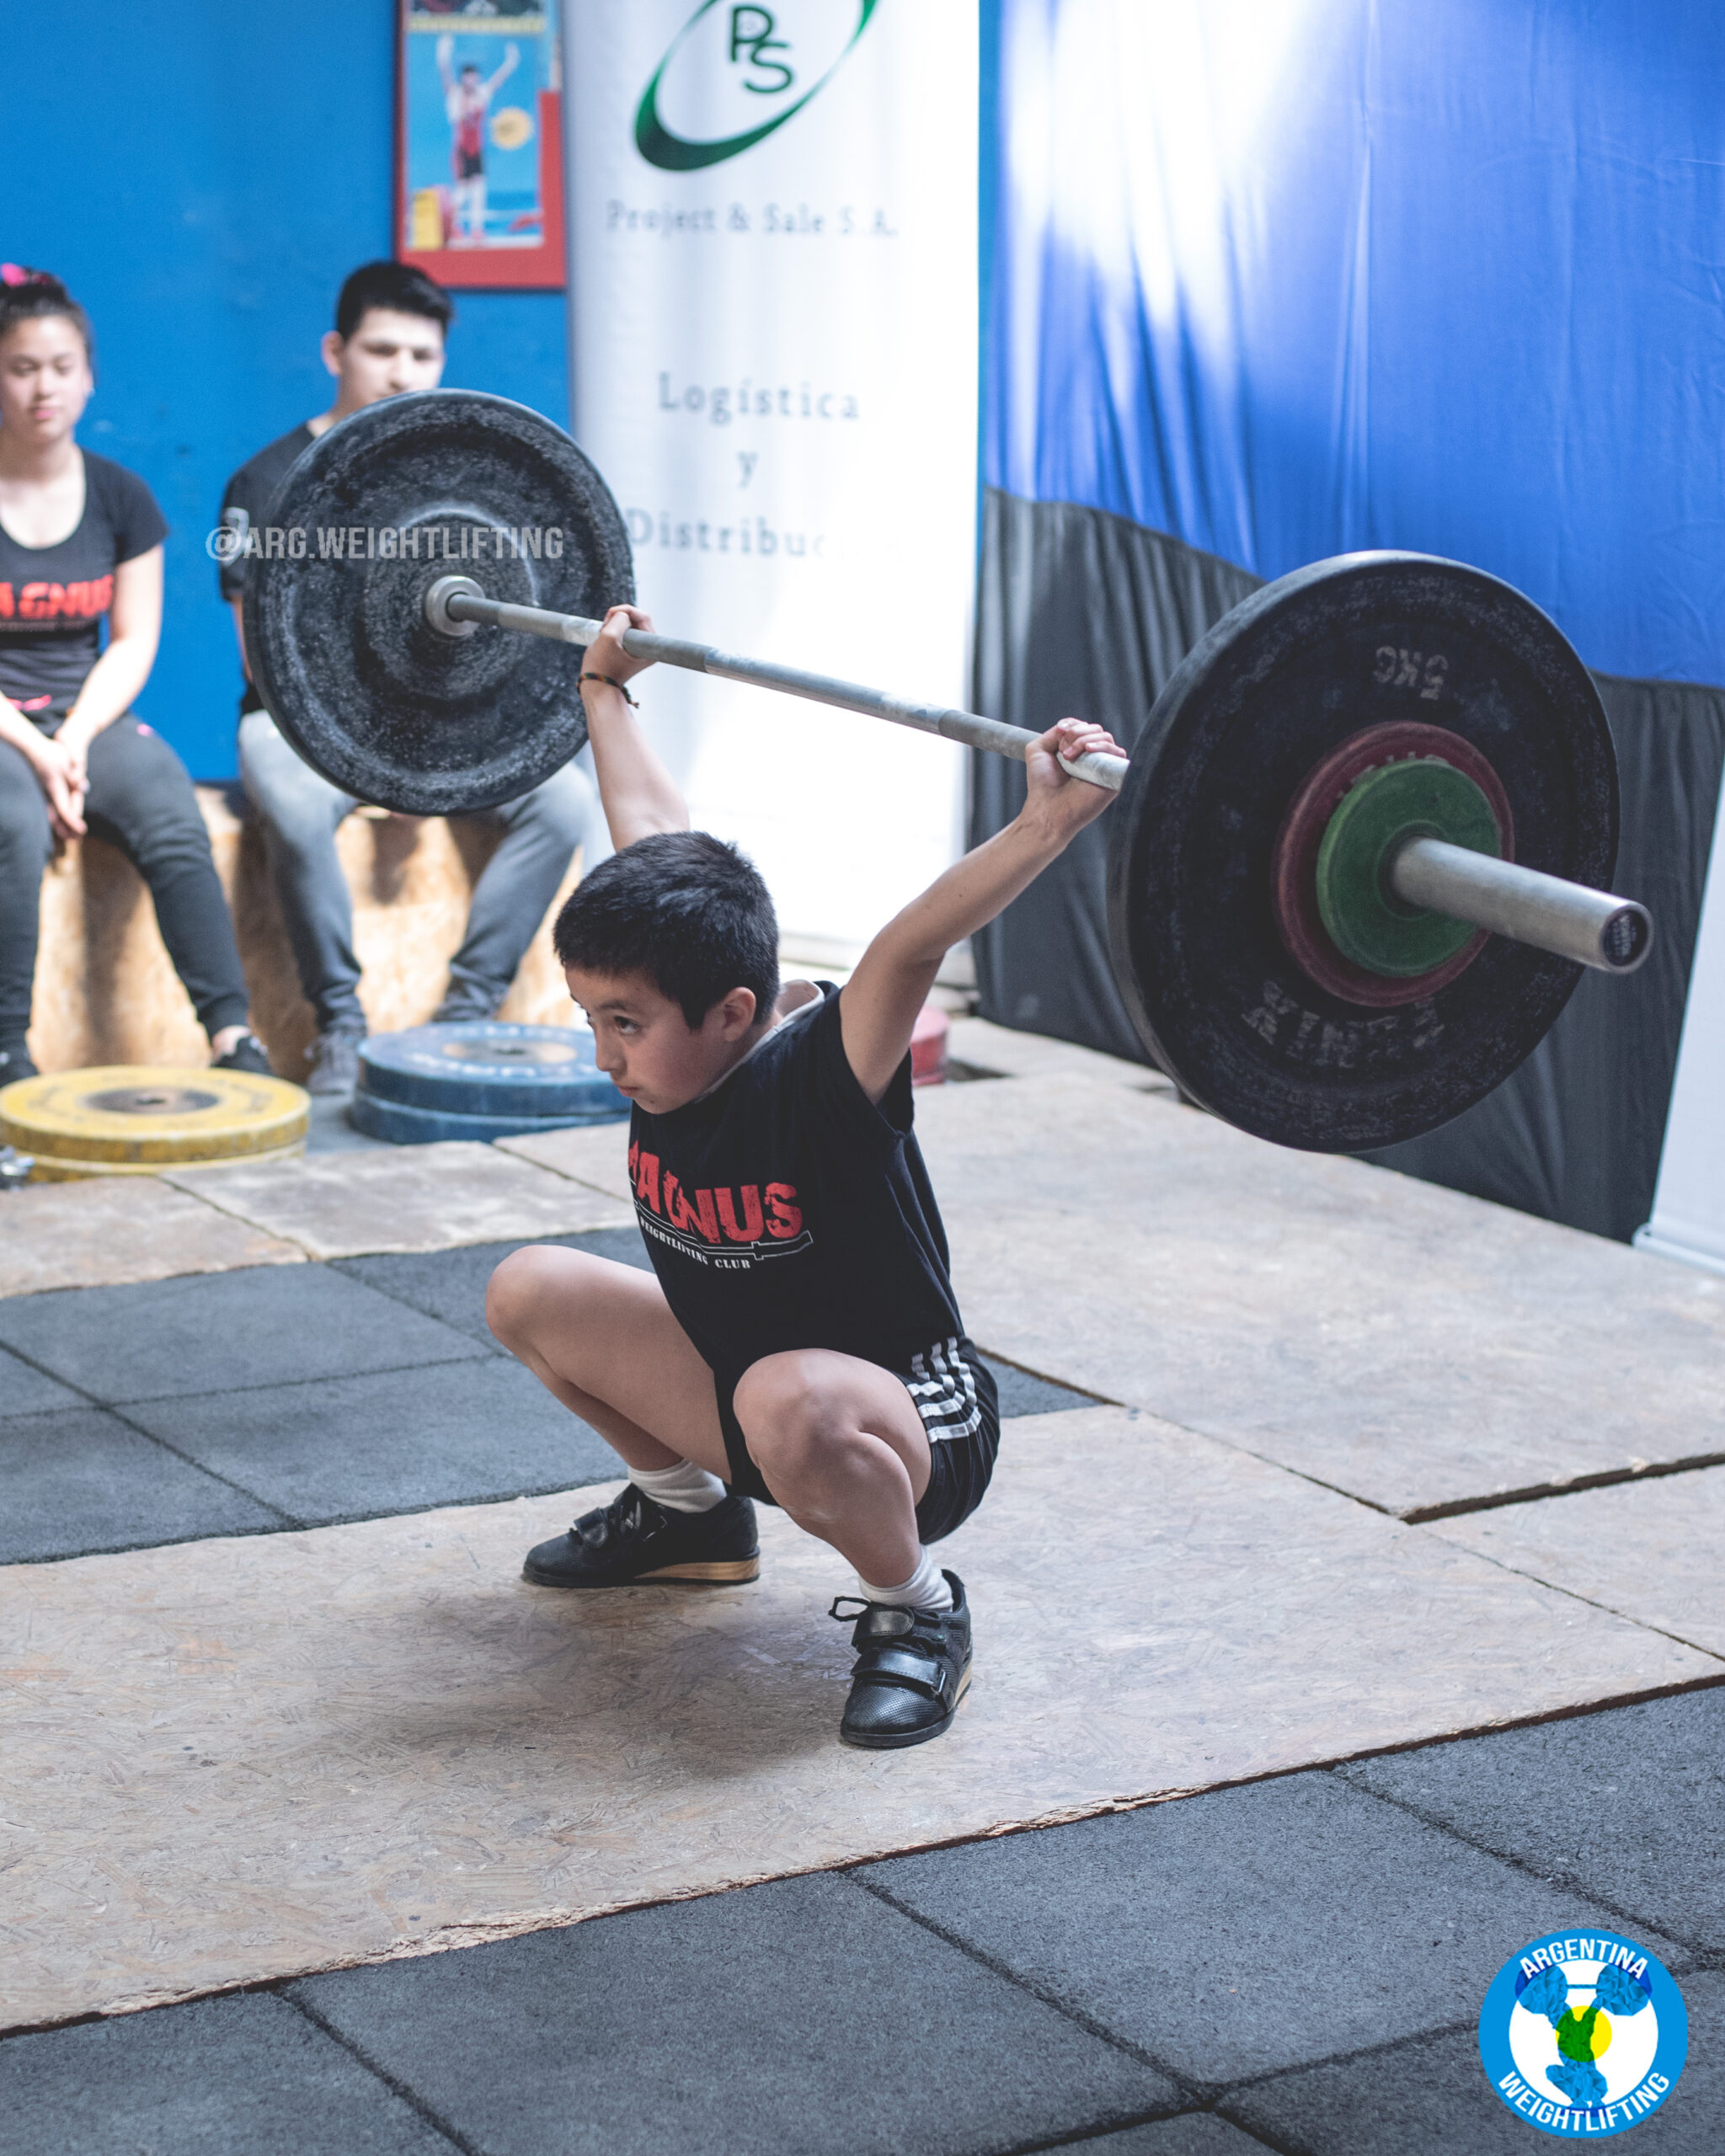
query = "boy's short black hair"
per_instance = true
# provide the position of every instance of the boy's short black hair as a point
(682, 907)
(396, 285)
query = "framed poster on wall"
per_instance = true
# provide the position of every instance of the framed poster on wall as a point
(479, 161)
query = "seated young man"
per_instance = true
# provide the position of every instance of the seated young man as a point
(798, 1341)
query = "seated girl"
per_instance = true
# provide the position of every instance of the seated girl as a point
(81, 539)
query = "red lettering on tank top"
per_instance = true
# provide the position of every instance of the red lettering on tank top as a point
(753, 1225)
(102, 594)
(646, 1174)
(9, 605)
(32, 601)
(786, 1218)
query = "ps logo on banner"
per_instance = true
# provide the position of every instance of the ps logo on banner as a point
(734, 74)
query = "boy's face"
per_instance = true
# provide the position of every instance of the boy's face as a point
(387, 353)
(648, 1049)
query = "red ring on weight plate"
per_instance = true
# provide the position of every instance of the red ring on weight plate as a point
(1294, 861)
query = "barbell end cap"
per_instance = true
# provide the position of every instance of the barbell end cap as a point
(438, 595)
(1627, 938)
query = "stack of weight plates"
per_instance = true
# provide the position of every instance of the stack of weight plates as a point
(128, 1120)
(482, 1079)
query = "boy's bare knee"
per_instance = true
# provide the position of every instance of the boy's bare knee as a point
(789, 1416)
(515, 1290)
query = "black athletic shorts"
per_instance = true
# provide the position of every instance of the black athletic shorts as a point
(953, 1391)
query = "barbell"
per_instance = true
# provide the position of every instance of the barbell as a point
(1360, 858)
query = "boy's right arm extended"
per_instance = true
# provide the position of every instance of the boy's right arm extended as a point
(638, 794)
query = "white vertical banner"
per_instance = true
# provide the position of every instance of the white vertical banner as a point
(774, 307)
(1689, 1201)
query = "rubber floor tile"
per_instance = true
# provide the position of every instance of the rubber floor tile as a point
(27, 1391)
(208, 1332)
(1192, 2133)
(398, 1441)
(450, 1284)
(1431, 2095)
(80, 1481)
(1628, 1806)
(243, 2076)
(1252, 1929)
(801, 2015)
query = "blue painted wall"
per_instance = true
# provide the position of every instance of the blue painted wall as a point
(203, 177)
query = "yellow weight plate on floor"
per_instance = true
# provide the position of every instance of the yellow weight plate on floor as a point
(62, 1168)
(128, 1116)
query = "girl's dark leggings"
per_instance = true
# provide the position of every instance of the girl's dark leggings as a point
(140, 799)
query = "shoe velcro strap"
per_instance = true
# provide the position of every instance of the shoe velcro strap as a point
(885, 1621)
(901, 1666)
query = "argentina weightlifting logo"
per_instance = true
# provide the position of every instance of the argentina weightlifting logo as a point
(1583, 2034)
(734, 74)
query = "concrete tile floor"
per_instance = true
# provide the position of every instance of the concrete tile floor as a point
(1616, 1811)
(1297, 1965)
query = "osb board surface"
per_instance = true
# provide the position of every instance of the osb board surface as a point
(596, 1154)
(105, 991)
(98, 1233)
(1653, 1551)
(401, 1197)
(1409, 1345)
(235, 1759)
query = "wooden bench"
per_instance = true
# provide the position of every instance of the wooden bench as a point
(105, 992)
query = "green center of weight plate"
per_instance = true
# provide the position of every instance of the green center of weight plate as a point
(1421, 797)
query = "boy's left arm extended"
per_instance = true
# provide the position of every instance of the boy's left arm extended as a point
(881, 1000)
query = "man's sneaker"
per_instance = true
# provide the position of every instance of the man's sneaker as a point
(335, 1063)
(248, 1053)
(631, 1540)
(913, 1666)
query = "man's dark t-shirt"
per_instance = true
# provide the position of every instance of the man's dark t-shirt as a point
(52, 598)
(785, 1209)
(245, 509)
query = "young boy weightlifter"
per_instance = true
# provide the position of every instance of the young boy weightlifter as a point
(798, 1341)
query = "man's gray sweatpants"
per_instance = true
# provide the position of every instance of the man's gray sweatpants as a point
(301, 810)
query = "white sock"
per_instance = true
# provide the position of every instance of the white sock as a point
(684, 1488)
(926, 1588)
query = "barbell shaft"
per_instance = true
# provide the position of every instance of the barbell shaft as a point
(1593, 927)
(458, 599)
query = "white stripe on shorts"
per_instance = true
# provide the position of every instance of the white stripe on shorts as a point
(944, 1389)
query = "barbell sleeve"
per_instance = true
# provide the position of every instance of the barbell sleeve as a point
(1593, 927)
(453, 601)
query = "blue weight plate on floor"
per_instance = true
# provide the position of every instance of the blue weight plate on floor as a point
(399, 1125)
(482, 1067)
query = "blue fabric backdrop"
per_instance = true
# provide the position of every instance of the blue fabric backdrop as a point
(1286, 278)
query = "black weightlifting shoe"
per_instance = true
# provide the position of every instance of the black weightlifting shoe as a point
(913, 1666)
(248, 1054)
(632, 1541)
